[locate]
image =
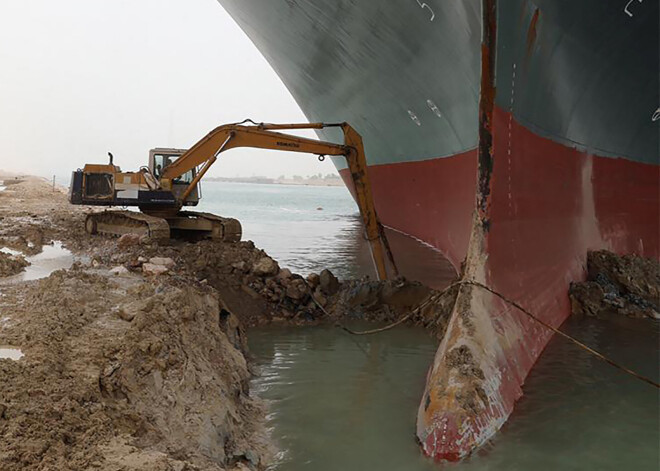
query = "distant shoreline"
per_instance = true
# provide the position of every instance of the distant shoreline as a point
(277, 181)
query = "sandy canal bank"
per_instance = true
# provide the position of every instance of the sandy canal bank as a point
(119, 370)
(135, 356)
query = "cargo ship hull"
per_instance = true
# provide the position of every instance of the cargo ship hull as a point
(512, 135)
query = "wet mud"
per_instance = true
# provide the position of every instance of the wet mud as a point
(136, 356)
(121, 369)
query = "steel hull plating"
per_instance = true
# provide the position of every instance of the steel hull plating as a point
(573, 164)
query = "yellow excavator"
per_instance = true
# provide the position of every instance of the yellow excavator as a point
(171, 181)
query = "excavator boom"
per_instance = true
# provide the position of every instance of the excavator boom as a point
(261, 136)
(264, 136)
(198, 159)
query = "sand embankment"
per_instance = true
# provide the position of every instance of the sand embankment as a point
(120, 371)
(136, 357)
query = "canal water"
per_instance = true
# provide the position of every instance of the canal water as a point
(308, 228)
(341, 402)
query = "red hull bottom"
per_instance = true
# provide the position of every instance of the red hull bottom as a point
(549, 205)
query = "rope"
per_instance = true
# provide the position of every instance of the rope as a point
(428, 301)
(431, 299)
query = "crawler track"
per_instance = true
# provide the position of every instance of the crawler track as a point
(225, 229)
(127, 222)
(204, 225)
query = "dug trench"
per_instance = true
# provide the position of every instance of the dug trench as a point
(136, 356)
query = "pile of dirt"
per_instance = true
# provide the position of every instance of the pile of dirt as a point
(12, 181)
(258, 291)
(125, 372)
(136, 357)
(11, 264)
(400, 296)
(622, 285)
(250, 282)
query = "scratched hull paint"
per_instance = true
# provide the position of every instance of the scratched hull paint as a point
(565, 160)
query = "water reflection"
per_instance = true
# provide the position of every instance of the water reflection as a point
(10, 353)
(52, 257)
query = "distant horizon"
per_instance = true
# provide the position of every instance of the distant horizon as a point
(63, 179)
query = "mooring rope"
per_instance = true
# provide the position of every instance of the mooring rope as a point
(438, 295)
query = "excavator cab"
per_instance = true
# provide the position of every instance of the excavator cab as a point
(160, 158)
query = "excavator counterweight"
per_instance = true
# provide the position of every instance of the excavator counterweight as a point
(172, 178)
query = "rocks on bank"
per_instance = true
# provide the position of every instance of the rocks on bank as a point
(257, 289)
(626, 285)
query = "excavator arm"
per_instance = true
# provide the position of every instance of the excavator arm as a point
(264, 136)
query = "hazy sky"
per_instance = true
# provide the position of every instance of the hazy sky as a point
(79, 78)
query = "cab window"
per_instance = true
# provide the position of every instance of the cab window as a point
(163, 160)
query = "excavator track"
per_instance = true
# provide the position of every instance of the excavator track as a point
(127, 222)
(208, 225)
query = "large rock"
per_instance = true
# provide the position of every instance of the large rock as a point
(265, 266)
(313, 280)
(154, 269)
(165, 261)
(128, 240)
(297, 289)
(284, 274)
(328, 282)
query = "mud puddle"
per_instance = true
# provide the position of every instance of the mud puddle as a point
(9, 251)
(10, 353)
(51, 258)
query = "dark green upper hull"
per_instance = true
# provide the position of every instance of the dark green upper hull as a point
(407, 76)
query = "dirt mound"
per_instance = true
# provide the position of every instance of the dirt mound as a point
(124, 373)
(250, 283)
(258, 291)
(11, 264)
(626, 285)
(135, 358)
